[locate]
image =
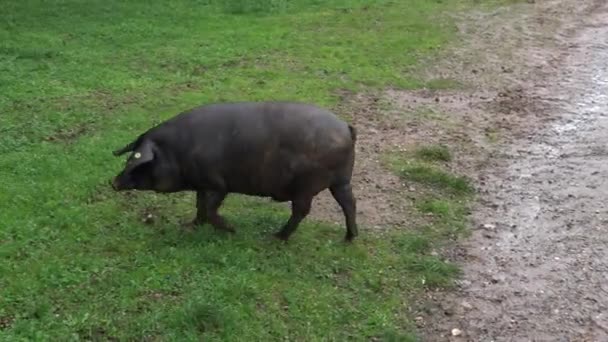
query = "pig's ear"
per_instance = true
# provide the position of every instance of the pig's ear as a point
(144, 153)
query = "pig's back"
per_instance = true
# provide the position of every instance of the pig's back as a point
(295, 126)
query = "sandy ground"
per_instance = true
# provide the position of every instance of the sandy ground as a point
(531, 125)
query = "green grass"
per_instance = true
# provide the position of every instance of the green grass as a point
(132, 281)
(81, 79)
(450, 215)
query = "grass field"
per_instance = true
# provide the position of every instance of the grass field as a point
(79, 79)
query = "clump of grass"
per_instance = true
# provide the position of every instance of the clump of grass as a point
(442, 208)
(433, 176)
(434, 153)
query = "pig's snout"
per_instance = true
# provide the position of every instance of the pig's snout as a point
(114, 184)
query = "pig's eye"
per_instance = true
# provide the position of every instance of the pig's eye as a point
(133, 157)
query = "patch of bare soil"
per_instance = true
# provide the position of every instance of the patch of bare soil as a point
(530, 126)
(6, 322)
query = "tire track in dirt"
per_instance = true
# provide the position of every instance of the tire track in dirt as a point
(536, 268)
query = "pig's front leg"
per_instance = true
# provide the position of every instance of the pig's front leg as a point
(201, 208)
(214, 200)
(201, 212)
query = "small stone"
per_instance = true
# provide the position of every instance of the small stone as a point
(148, 219)
(497, 278)
(467, 305)
(489, 226)
(456, 332)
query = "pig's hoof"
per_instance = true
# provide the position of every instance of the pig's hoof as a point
(226, 229)
(281, 236)
(191, 225)
(349, 239)
(188, 227)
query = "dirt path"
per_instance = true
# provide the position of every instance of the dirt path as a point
(536, 269)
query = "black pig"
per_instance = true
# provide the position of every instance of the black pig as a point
(284, 150)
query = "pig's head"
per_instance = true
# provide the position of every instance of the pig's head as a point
(147, 168)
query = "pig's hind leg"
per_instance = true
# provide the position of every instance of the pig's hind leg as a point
(343, 194)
